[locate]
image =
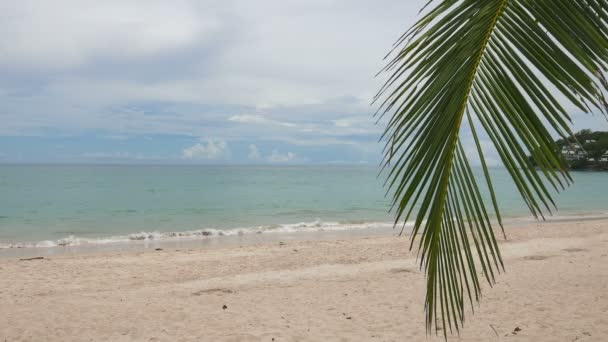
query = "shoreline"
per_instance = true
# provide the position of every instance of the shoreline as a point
(358, 288)
(201, 239)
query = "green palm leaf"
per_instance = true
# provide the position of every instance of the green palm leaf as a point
(503, 68)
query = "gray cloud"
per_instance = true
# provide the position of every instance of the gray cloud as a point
(297, 73)
(69, 60)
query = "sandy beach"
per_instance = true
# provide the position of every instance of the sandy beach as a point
(348, 289)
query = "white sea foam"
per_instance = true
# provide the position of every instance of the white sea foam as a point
(314, 226)
(210, 233)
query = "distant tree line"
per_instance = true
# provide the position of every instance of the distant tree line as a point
(586, 150)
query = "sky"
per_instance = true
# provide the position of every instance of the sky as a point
(197, 82)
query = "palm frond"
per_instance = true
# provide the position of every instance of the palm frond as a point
(501, 68)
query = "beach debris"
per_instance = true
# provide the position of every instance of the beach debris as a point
(349, 317)
(536, 257)
(158, 249)
(214, 290)
(516, 330)
(224, 307)
(402, 270)
(575, 250)
(281, 243)
(34, 258)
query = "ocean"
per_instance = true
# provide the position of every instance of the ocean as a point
(66, 205)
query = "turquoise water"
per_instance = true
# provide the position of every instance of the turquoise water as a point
(50, 205)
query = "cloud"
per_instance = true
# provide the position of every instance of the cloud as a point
(277, 157)
(212, 150)
(123, 69)
(353, 122)
(258, 119)
(70, 33)
(254, 153)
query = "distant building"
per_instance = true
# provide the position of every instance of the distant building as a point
(574, 152)
(604, 157)
(590, 141)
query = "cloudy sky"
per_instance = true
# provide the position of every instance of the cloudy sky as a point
(226, 81)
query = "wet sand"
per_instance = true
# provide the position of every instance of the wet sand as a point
(356, 288)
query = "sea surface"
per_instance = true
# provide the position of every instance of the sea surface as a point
(61, 205)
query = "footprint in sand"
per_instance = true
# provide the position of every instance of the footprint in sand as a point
(536, 257)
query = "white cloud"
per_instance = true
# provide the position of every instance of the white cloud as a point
(353, 122)
(343, 123)
(277, 157)
(69, 33)
(259, 119)
(254, 153)
(212, 150)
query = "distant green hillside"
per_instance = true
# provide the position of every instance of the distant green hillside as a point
(588, 150)
(596, 148)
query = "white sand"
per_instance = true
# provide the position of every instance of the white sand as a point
(357, 289)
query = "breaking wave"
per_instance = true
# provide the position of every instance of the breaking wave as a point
(208, 233)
